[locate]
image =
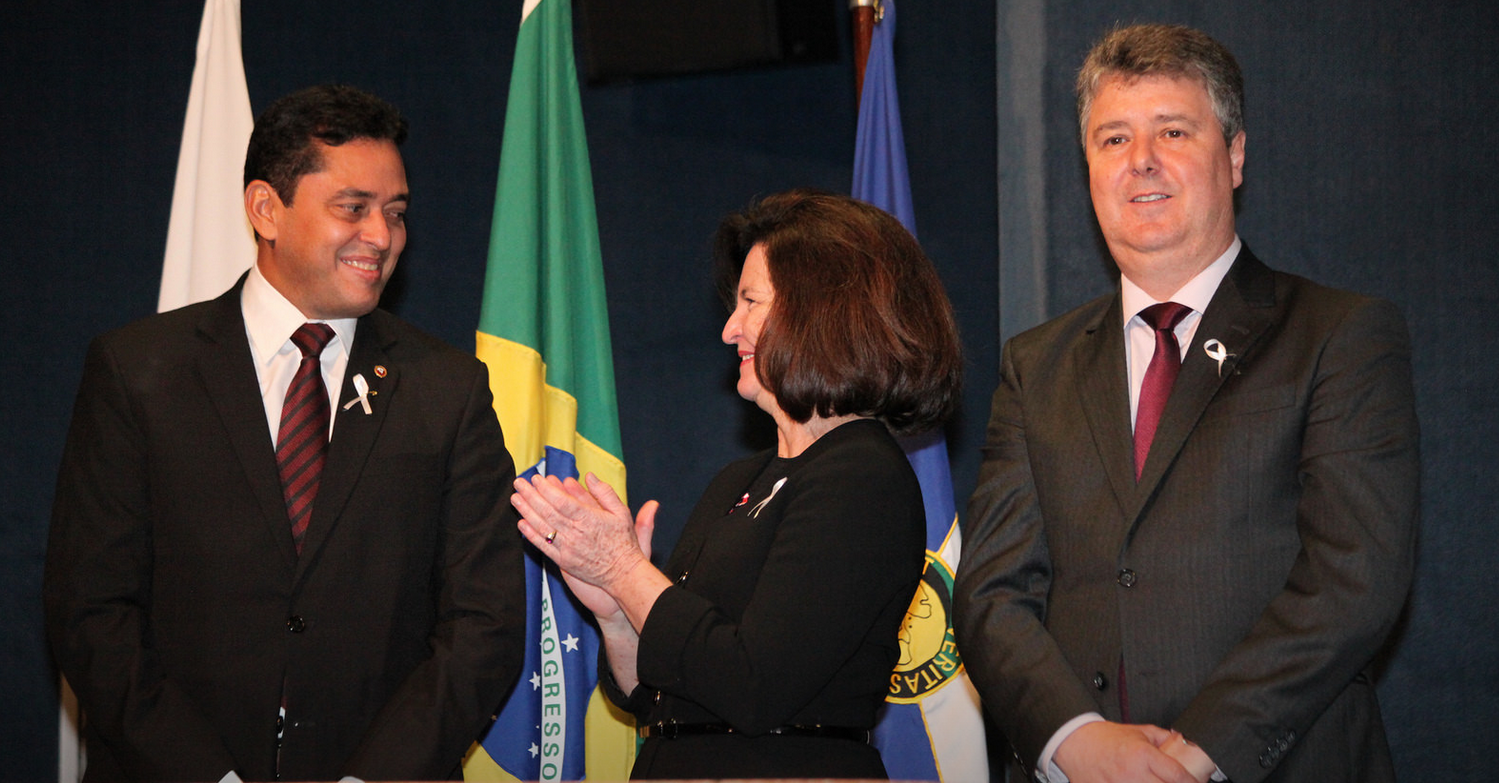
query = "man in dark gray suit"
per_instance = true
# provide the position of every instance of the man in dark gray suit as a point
(236, 595)
(1194, 525)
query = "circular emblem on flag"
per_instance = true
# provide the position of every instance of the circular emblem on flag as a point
(928, 655)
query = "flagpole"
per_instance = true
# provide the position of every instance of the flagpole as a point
(866, 14)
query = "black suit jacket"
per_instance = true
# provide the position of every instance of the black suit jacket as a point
(786, 611)
(1248, 578)
(179, 609)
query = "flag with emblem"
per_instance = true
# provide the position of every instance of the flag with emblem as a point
(931, 727)
(544, 334)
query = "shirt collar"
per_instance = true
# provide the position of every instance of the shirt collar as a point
(270, 320)
(1196, 294)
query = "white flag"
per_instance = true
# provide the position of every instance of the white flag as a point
(209, 240)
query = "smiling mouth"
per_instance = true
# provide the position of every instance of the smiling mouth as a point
(1146, 199)
(368, 266)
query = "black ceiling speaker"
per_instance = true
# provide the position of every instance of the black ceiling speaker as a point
(631, 39)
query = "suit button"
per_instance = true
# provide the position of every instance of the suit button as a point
(296, 624)
(1099, 681)
(1281, 745)
(1266, 760)
(1126, 578)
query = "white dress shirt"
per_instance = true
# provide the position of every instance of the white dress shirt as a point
(270, 320)
(1139, 343)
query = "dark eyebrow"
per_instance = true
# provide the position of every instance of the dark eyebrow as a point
(367, 195)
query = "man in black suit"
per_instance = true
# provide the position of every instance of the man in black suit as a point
(222, 610)
(1194, 526)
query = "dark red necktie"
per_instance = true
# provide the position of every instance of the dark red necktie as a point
(1165, 363)
(302, 441)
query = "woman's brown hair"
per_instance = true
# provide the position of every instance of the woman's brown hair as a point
(860, 324)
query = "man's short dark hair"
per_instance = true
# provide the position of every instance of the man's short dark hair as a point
(859, 324)
(1165, 50)
(284, 144)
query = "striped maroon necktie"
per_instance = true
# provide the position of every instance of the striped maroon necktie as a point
(1160, 376)
(302, 441)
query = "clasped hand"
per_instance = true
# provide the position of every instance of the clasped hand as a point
(588, 533)
(1106, 751)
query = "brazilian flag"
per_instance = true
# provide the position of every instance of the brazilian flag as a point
(544, 333)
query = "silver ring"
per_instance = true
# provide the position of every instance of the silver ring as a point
(551, 537)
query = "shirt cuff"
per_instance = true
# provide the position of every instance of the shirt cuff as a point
(1046, 770)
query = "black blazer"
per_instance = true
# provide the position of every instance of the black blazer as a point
(786, 611)
(1248, 578)
(176, 603)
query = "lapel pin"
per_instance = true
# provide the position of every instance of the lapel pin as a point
(741, 502)
(755, 512)
(362, 386)
(379, 371)
(1215, 350)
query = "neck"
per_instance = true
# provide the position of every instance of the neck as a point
(793, 438)
(1162, 277)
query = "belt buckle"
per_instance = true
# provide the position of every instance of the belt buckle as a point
(664, 729)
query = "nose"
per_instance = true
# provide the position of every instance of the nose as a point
(375, 231)
(1142, 156)
(733, 327)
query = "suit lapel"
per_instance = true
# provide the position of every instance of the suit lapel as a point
(1103, 385)
(227, 371)
(1237, 317)
(354, 432)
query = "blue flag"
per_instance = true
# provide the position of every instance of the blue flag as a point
(931, 727)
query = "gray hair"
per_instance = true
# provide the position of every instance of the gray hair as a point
(1165, 50)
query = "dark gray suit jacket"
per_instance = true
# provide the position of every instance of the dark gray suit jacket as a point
(1256, 568)
(178, 607)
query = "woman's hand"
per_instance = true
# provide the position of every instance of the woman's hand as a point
(604, 557)
(587, 532)
(603, 606)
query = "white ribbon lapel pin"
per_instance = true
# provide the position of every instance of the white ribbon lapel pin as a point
(755, 512)
(363, 387)
(1216, 351)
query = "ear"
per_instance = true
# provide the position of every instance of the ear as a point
(264, 208)
(1236, 157)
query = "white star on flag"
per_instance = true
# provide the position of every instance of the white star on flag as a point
(571, 643)
(535, 680)
(534, 750)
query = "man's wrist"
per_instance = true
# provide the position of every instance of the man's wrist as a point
(1047, 770)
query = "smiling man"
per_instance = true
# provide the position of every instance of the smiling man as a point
(1194, 525)
(282, 544)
